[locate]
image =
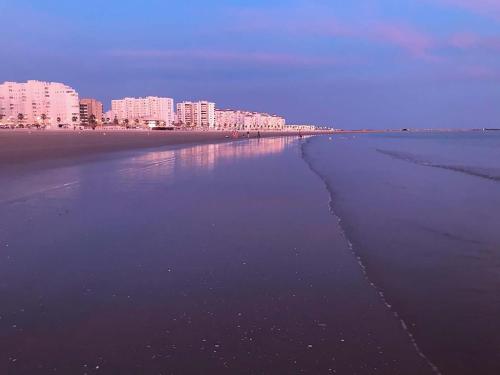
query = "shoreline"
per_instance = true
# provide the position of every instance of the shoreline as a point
(405, 326)
(171, 255)
(19, 147)
(403, 240)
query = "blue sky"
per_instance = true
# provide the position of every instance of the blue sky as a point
(350, 64)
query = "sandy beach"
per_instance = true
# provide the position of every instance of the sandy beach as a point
(24, 146)
(218, 257)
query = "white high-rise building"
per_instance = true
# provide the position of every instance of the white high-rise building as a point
(149, 108)
(196, 114)
(228, 119)
(36, 102)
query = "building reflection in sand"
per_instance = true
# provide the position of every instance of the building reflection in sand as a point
(201, 158)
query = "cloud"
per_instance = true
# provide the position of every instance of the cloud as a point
(468, 41)
(490, 8)
(468, 73)
(479, 72)
(223, 56)
(287, 22)
(416, 43)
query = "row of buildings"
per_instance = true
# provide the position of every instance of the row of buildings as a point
(229, 119)
(58, 105)
(200, 115)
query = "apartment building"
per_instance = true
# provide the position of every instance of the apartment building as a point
(90, 108)
(37, 102)
(196, 114)
(228, 119)
(151, 108)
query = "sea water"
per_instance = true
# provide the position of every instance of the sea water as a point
(422, 211)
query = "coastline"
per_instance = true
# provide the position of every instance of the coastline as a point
(183, 254)
(307, 157)
(20, 147)
(412, 241)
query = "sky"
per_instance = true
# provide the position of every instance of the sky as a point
(347, 64)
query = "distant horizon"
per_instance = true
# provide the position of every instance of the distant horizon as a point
(375, 64)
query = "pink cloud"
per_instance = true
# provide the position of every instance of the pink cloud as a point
(416, 43)
(468, 41)
(480, 72)
(268, 21)
(485, 7)
(464, 40)
(267, 58)
(469, 73)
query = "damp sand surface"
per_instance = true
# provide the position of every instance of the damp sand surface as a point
(213, 258)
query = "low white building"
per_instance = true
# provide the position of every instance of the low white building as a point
(196, 114)
(305, 128)
(143, 109)
(37, 102)
(229, 119)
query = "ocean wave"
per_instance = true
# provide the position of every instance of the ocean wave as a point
(485, 173)
(309, 161)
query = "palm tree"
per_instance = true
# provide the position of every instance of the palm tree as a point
(115, 121)
(126, 122)
(59, 121)
(44, 117)
(20, 117)
(137, 121)
(92, 121)
(74, 119)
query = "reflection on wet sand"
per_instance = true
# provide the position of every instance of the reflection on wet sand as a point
(206, 156)
(206, 259)
(203, 157)
(154, 166)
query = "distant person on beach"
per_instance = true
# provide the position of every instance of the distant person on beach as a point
(258, 134)
(248, 134)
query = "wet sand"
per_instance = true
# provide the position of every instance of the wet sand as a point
(22, 146)
(217, 258)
